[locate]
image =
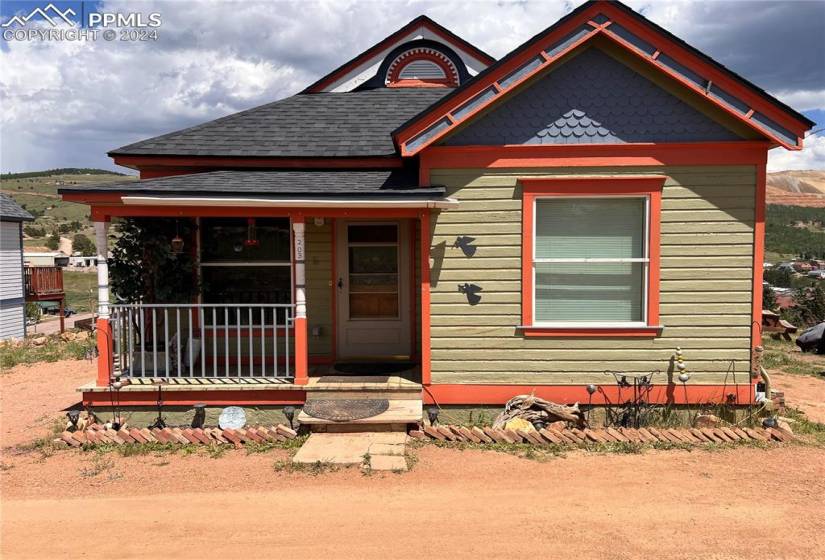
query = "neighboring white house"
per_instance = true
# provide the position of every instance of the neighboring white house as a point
(53, 258)
(79, 261)
(12, 295)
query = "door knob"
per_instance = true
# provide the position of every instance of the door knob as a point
(340, 283)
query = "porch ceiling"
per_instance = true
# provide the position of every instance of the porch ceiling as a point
(345, 183)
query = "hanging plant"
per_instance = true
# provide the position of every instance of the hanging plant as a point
(144, 266)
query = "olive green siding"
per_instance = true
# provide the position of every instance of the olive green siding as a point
(706, 283)
(319, 291)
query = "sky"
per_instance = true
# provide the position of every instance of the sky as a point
(66, 103)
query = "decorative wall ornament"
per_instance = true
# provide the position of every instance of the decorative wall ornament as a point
(464, 242)
(471, 291)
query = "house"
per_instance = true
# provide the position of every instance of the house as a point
(592, 201)
(78, 260)
(50, 258)
(12, 299)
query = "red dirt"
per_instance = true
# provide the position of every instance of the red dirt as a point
(803, 392)
(747, 503)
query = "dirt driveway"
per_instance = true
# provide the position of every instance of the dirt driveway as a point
(747, 503)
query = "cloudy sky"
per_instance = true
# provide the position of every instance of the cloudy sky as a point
(64, 104)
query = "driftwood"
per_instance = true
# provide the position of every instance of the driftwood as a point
(534, 409)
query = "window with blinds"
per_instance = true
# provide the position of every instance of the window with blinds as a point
(591, 260)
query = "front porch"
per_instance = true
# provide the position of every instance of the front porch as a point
(342, 284)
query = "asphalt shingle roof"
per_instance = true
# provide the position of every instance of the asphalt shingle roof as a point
(386, 184)
(353, 124)
(10, 211)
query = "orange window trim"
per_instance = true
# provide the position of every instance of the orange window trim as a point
(601, 186)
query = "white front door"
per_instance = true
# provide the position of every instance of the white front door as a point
(373, 269)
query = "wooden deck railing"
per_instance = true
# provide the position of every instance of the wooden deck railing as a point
(43, 281)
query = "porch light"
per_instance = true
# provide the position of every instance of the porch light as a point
(251, 234)
(289, 412)
(177, 241)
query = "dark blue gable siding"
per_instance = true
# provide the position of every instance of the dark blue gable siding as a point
(591, 99)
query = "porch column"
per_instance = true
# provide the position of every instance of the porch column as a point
(301, 350)
(105, 364)
(425, 296)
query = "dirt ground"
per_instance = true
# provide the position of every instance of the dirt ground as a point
(744, 503)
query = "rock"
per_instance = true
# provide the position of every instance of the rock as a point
(783, 425)
(519, 424)
(558, 426)
(707, 421)
(39, 341)
(68, 336)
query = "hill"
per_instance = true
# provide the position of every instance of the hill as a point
(797, 188)
(37, 192)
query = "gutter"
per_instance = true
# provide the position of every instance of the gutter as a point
(443, 203)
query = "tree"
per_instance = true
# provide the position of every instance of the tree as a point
(83, 245)
(768, 298)
(780, 278)
(53, 242)
(143, 266)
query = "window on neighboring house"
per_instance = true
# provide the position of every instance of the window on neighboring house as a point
(245, 261)
(591, 260)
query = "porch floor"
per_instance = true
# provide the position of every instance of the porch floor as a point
(197, 384)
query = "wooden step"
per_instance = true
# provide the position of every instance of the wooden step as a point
(400, 411)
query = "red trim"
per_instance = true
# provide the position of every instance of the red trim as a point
(395, 37)
(239, 211)
(188, 398)
(413, 287)
(758, 255)
(334, 288)
(591, 155)
(426, 358)
(689, 60)
(643, 185)
(195, 164)
(105, 359)
(422, 53)
(457, 394)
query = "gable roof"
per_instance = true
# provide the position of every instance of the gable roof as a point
(390, 41)
(340, 183)
(628, 29)
(10, 211)
(355, 124)
(592, 98)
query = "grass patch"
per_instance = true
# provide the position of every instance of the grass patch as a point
(79, 286)
(313, 469)
(807, 431)
(781, 355)
(98, 465)
(253, 447)
(13, 353)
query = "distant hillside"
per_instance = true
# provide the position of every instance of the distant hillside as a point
(60, 171)
(797, 188)
(36, 191)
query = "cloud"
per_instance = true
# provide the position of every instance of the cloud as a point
(67, 103)
(811, 157)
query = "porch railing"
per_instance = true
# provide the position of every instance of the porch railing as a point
(43, 281)
(220, 341)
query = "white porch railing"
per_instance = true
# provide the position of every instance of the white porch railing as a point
(221, 341)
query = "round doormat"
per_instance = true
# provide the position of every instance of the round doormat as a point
(372, 368)
(345, 410)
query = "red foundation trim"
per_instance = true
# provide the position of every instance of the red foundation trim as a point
(449, 394)
(105, 359)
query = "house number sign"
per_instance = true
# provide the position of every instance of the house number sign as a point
(299, 249)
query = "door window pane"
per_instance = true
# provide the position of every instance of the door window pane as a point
(373, 271)
(589, 292)
(378, 258)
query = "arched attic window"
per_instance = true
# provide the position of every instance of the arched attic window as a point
(422, 67)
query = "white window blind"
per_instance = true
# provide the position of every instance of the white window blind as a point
(590, 260)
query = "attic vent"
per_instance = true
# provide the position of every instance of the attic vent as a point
(422, 67)
(422, 70)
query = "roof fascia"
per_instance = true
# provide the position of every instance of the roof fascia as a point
(440, 115)
(420, 21)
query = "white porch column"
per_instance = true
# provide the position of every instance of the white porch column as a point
(102, 244)
(301, 349)
(105, 363)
